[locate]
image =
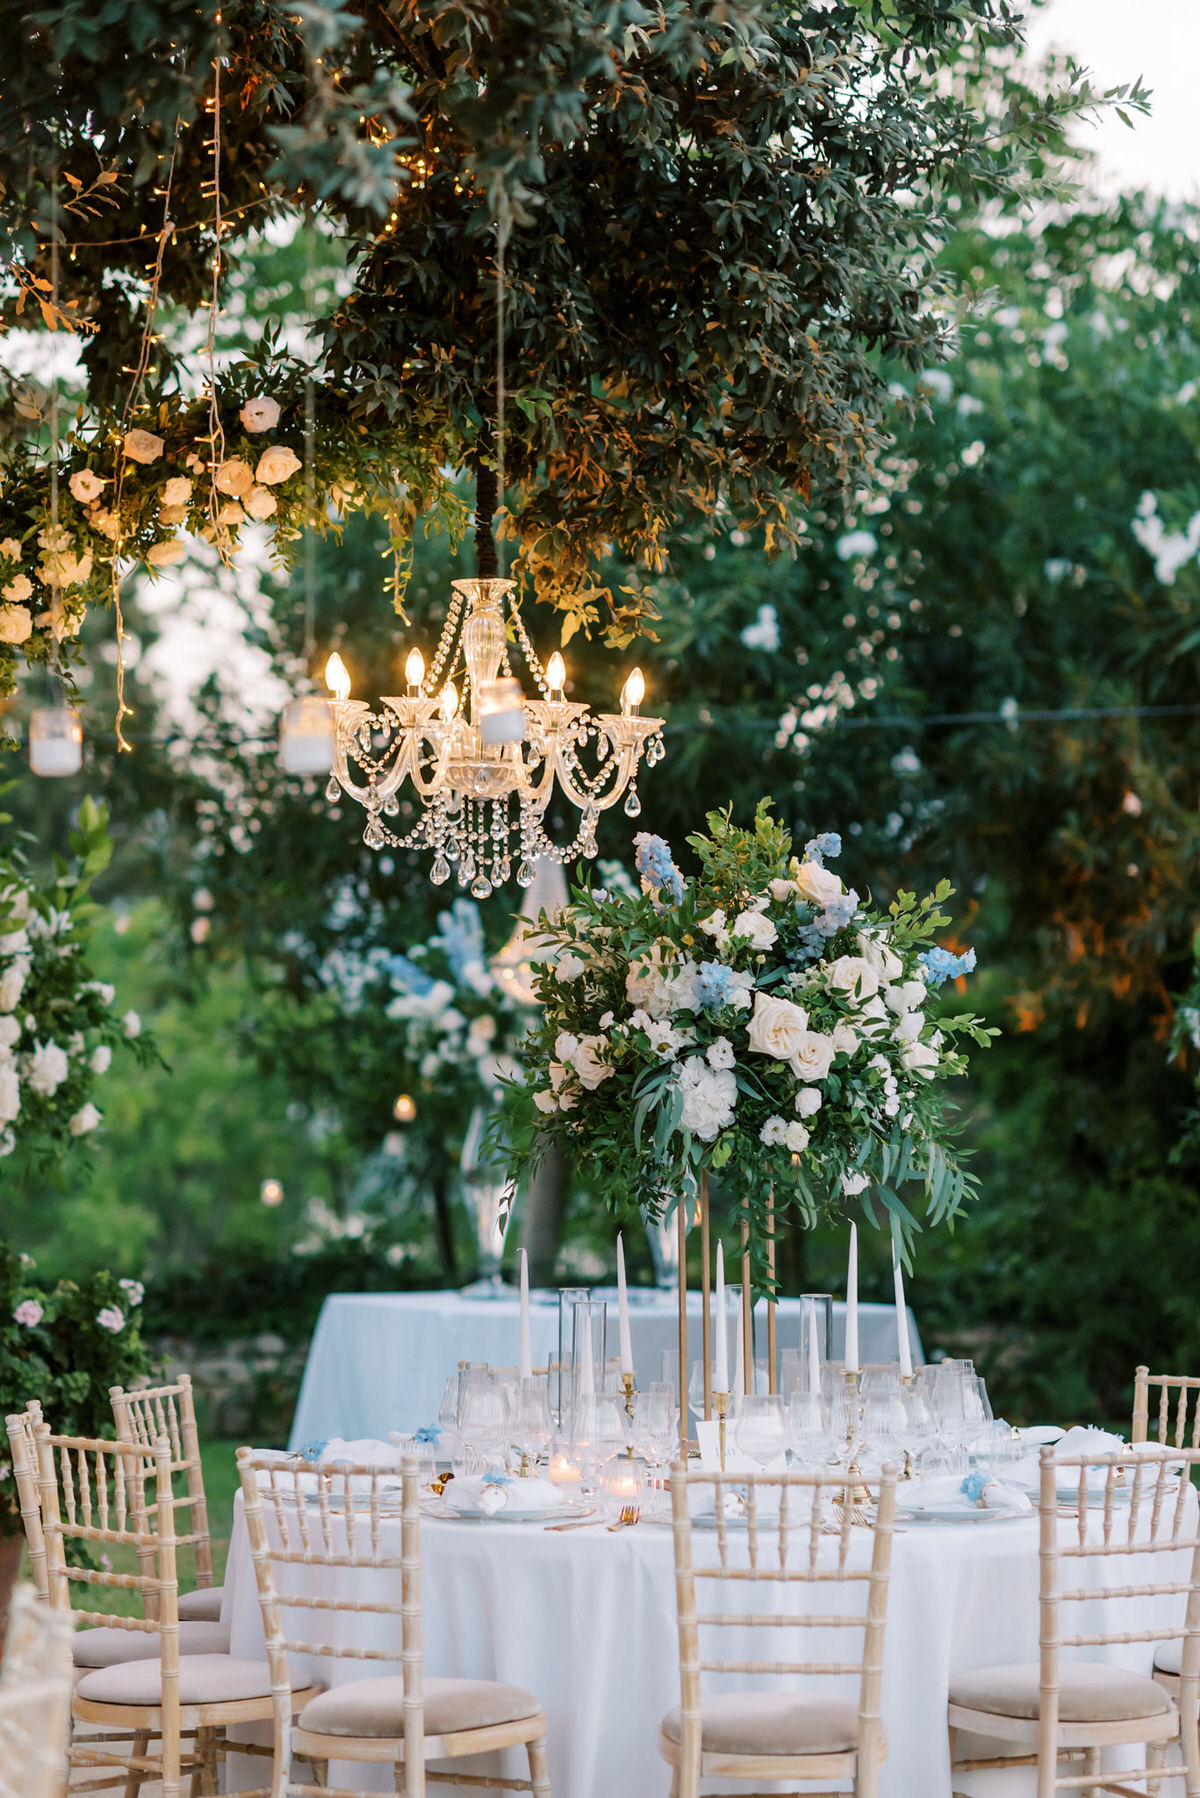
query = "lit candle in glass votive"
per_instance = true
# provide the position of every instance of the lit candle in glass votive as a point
(622, 1480)
(561, 1471)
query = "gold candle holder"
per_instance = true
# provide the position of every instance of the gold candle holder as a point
(630, 1391)
(721, 1407)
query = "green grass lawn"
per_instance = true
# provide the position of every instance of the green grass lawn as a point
(220, 1485)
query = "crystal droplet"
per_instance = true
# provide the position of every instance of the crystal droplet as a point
(440, 871)
(526, 874)
(633, 805)
(391, 807)
(373, 835)
(333, 789)
(481, 887)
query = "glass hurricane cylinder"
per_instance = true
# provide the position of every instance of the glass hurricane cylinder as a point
(55, 741)
(306, 735)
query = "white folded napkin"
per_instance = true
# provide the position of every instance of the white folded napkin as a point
(363, 1451)
(950, 1492)
(481, 1493)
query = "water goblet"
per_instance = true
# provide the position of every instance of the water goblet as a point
(761, 1429)
(808, 1429)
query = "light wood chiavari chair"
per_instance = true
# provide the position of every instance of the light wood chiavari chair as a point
(168, 1412)
(1178, 1408)
(112, 1495)
(35, 1699)
(831, 1576)
(304, 1515)
(1094, 1553)
(22, 1453)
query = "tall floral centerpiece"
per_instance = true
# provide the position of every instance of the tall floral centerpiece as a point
(759, 1022)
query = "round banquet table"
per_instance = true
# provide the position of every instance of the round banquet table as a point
(379, 1361)
(585, 1620)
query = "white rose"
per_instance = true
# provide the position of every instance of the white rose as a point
(875, 952)
(714, 924)
(84, 1120)
(773, 1131)
(231, 512)
(813, 1056)
(86, 486)
(873, 1019)
(808, 1101)
(276, 464)
(545, 1101)
(10, 1030)
(12, 984)
(177, 491)
(761, 932)
(132, 1023)
(588, 1065)
(18, 589)
(720, 1054)
(796, 1138)
(776, 1027)
(559, 1072)
(101, 1059)
(10, 1092)
(851, 974)
(909, 1026)
(143, 446)
(818, 884)
(10, 549)
(107, 523)
(260, 502)
(920, 1059)
(260, 414)
(16, 626)
(845, 1038)
(565, 1045)
(162, 555)
(781, 890)
(569, 966)
(910, 995)
(649, 985)
(48, 1068)
(234, 476)
(709, 1097)
(854, 1183)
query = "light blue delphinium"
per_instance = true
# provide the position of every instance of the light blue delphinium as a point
(817, 848)
(942, 964)
(654, 863)
(460, 936)
(711, 985)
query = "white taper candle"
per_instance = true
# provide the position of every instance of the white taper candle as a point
(902, 1341)
(526, 1354)
(851, 1355)
(720, 1378)
(626, 1343)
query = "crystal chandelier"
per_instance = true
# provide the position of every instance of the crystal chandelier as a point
(485, 764)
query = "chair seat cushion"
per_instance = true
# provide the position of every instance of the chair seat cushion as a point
(201, 1606)
(771, 1723)
(1168, 1657)
(203, 1679)
(104, 1647)
(375, 1707)
(1089, 1692)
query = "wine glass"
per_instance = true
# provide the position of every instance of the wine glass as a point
(761, 1429)
(655, 1427)
(480, 1413)
(529, 1422)
(808, 1429)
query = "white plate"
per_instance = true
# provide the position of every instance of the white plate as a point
(959, 1514)
(464, 1514)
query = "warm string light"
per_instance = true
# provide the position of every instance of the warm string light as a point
(216, 428)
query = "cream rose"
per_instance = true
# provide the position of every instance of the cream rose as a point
(163, 555)
(877, 955)
(781, 890)
(276, 464)
(260, 502)
(919, 1058)
(845, 1039)
(813, 1056)
(817, 884)
(651, 986)
(776, 1027)
(177, 491)
(15, 624)
(234, 476)
(260, 414)
(910, 995)
(760, 930)
(86, 486)
(851, 974)
(10, 549)
(588, 1065)
(231, 513)
(172, 515)
(143, 446)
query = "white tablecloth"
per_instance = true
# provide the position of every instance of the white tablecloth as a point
(585, 1620)
(379, 1361)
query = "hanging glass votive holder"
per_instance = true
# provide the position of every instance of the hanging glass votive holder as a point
(55, 741)
(306, 736)
(501, 711)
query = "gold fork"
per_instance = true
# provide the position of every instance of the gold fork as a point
(627, 1515)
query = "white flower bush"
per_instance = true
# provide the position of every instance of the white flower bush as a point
(58, 1026)
(758, 1022)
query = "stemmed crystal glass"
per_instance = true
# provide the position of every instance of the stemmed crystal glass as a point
(530, 1425)
(761, 1430)
(808, 1429)
(480, 1413)
(655, 1428)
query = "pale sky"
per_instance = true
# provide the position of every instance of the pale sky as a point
(1119, 40)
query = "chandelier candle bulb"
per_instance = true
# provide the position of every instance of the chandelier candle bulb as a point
(405, 1109)
(414, 672)
(633, 693)
(526, 1352)
(851, 1355)
(449, 700)
(337, 679)
(721, 1343)
(626, 1342)
(556, 677)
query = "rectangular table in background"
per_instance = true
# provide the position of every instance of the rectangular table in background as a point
(379, 1361)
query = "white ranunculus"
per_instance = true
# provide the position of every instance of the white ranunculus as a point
(101, 1059)
(773, 1131)
(234, 476)
(776, 1027)
(276, 464)
(12, 984)
(875, 952)
(709, 1097)
(16, 626)
(260, 502)
(48, 1067)
(919, 1058)
(761, 932)
(165, 554)
(569, 966)
(260, 414)
(818, 884)
(177, 491)
(851, 974)
(910, 995)
(813, 1056)
(588, 1065)
(808, 1101)
(86, 486)
(649, 984)
(132, 1023)
(10, 1092)
(796, 1138)
(143, 446)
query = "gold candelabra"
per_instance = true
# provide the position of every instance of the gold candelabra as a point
(721, 1407)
